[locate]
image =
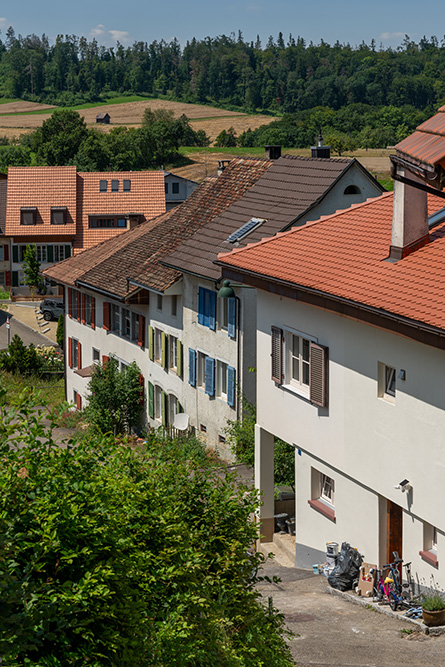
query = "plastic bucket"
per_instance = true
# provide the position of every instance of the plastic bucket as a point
(315, 569)
(332, 548)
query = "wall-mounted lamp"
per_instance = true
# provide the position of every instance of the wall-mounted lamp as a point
(402, 374)
(404, 486)
(226, 291)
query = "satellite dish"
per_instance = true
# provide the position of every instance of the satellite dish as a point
(181, 421)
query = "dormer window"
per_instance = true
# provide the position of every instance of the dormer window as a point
(126, 185)
(114, 185)
(58, 215)
(28, 215)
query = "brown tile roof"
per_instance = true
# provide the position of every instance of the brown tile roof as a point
(343, 255)
(136, 254)
(290, 187)
(427, 144)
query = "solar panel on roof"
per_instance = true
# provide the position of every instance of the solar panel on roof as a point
(248, 227)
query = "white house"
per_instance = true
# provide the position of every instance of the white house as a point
(350, 349)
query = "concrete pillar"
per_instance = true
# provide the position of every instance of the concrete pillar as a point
(264, 481)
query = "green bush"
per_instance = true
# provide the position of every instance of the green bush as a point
(20, 359)
(60, 331)
(114, 555)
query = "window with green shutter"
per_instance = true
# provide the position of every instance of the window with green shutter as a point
(164, 351)
(151, 343)
(179, 358)
(151, 400)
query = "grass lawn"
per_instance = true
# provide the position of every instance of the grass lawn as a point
(49, 391)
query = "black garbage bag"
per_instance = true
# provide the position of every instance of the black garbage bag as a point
(347, 569)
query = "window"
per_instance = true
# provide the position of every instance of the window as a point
(28, 215)
(207, 308)
(203, 428)
(59, 253)
(58, 215)
(386, 382)
(173, 408)
(103, 186)
(75, 304)
(159, 302)
(134, 327)
(322, 494)
(173, 353)
(77, 399)
(174, 303)
(126, 185)
(158, 402)
(2, 278)
(166, 188)
(74, 353)
(175, 188)
(221, 439)
(201, 369)
(89, 306)
(41, 253)
(158, 345)
(115, 318)
(95, 355)
(114, 185)
(221, 379)
(2, 254)
(352, 190)
(126, 323)
(223, 314)
(303, 368)
(429, 551)
(109, 222)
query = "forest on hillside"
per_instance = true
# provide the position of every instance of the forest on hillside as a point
(278, 77)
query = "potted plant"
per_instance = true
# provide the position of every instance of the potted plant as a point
(433, 607)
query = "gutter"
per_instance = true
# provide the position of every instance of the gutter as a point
(100, 291)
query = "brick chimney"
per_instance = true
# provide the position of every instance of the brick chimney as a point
(272, 152)
(409, 219)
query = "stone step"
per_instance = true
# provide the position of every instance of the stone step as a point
(281, 556)
(286, 543)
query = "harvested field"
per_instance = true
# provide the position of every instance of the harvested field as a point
(240, 123)
(23, 107)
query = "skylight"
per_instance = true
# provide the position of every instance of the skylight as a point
(436, 218)
(245, 229)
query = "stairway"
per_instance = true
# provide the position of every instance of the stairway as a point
(282, 547)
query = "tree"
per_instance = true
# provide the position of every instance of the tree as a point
(60, 336)
(226, 138)
(31, 266)
(60, 137)
(114, 402)
(113, 554)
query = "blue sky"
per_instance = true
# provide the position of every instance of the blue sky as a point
(129, 20)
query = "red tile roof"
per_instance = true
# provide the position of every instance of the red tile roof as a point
(344, 255)
(427, 144)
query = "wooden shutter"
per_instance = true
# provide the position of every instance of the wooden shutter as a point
(179, 358)
(78, 401)
(105, 360)
(79, 355)
(67, 251)
(151, 343)
(231, 386)
(164, 350)
(8, 278)
(231, 329)
(82, 301)
(93, 312)
(201, 305)
(6, 253)
(209, 384)
(15, 278)
(142, 386)
(70, 302)
(318, 374)
(70, 352)
(15, 254)
(141, 331)
(106, 315)
(50, 253)
(164, 408)
(192, 367)
(151, 400)
(212, 310)
(277, 355)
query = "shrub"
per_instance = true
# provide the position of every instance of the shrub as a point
(21, 359)
(60, 331)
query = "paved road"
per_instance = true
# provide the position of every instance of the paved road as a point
(336, 633)
(26, 334)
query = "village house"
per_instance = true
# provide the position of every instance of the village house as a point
(350, 349)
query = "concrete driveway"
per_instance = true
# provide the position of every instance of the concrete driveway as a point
(24, 322)
(335, 633)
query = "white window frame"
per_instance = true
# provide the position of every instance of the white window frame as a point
(158, 402)
(173, 405)
(386, 382)
(41, 253)
(221, 377)
(75, 353)
(59, 252)
(173, 353)
(115, 319)
(126, 323)
(158, 345)
(327, 489)
(200, 369)
(294, 384)
(95, 355)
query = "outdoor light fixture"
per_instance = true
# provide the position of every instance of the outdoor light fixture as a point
(404, 485)
(226, 291)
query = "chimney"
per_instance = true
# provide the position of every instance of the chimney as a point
(272, 152)
(409, 219)
(320, 150)
(222, 164)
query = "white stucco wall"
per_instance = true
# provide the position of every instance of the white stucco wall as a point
(367, 443)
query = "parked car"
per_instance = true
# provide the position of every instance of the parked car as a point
(51, 309)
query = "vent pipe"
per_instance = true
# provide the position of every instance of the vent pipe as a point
(320, 150)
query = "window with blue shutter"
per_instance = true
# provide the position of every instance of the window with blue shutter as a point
(207, 308)
(209, 386)
(231, 327)
(192, 367)
(231, 386)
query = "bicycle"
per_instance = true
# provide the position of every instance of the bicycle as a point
(388, 589)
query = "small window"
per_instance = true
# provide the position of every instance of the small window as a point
(322, 494)
(173, 353)
(95, 355)
(221, 379)
(203, 428)
(58, 215)
(121, 222)
(28, 216)
(103, 186)
(221, 439)
(126, 185)
(327, 489)
(158, 402)
(175, 188)
(386, 382)
(174, 303)
(114, 185)
(429, 551)
(159, 302)
(352, 190)
(158, 345)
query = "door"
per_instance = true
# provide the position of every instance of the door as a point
(394, 519)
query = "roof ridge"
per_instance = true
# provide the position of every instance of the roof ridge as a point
(311, 223)
(319, 159)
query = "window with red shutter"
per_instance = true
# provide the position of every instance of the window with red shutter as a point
(141, 332)
(70, 352)
(70, 302)
(106, 315)
(93, 313)
(79, 355)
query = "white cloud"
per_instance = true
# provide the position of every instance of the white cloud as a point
(110, 37)
(4, 23)
(392, 35)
